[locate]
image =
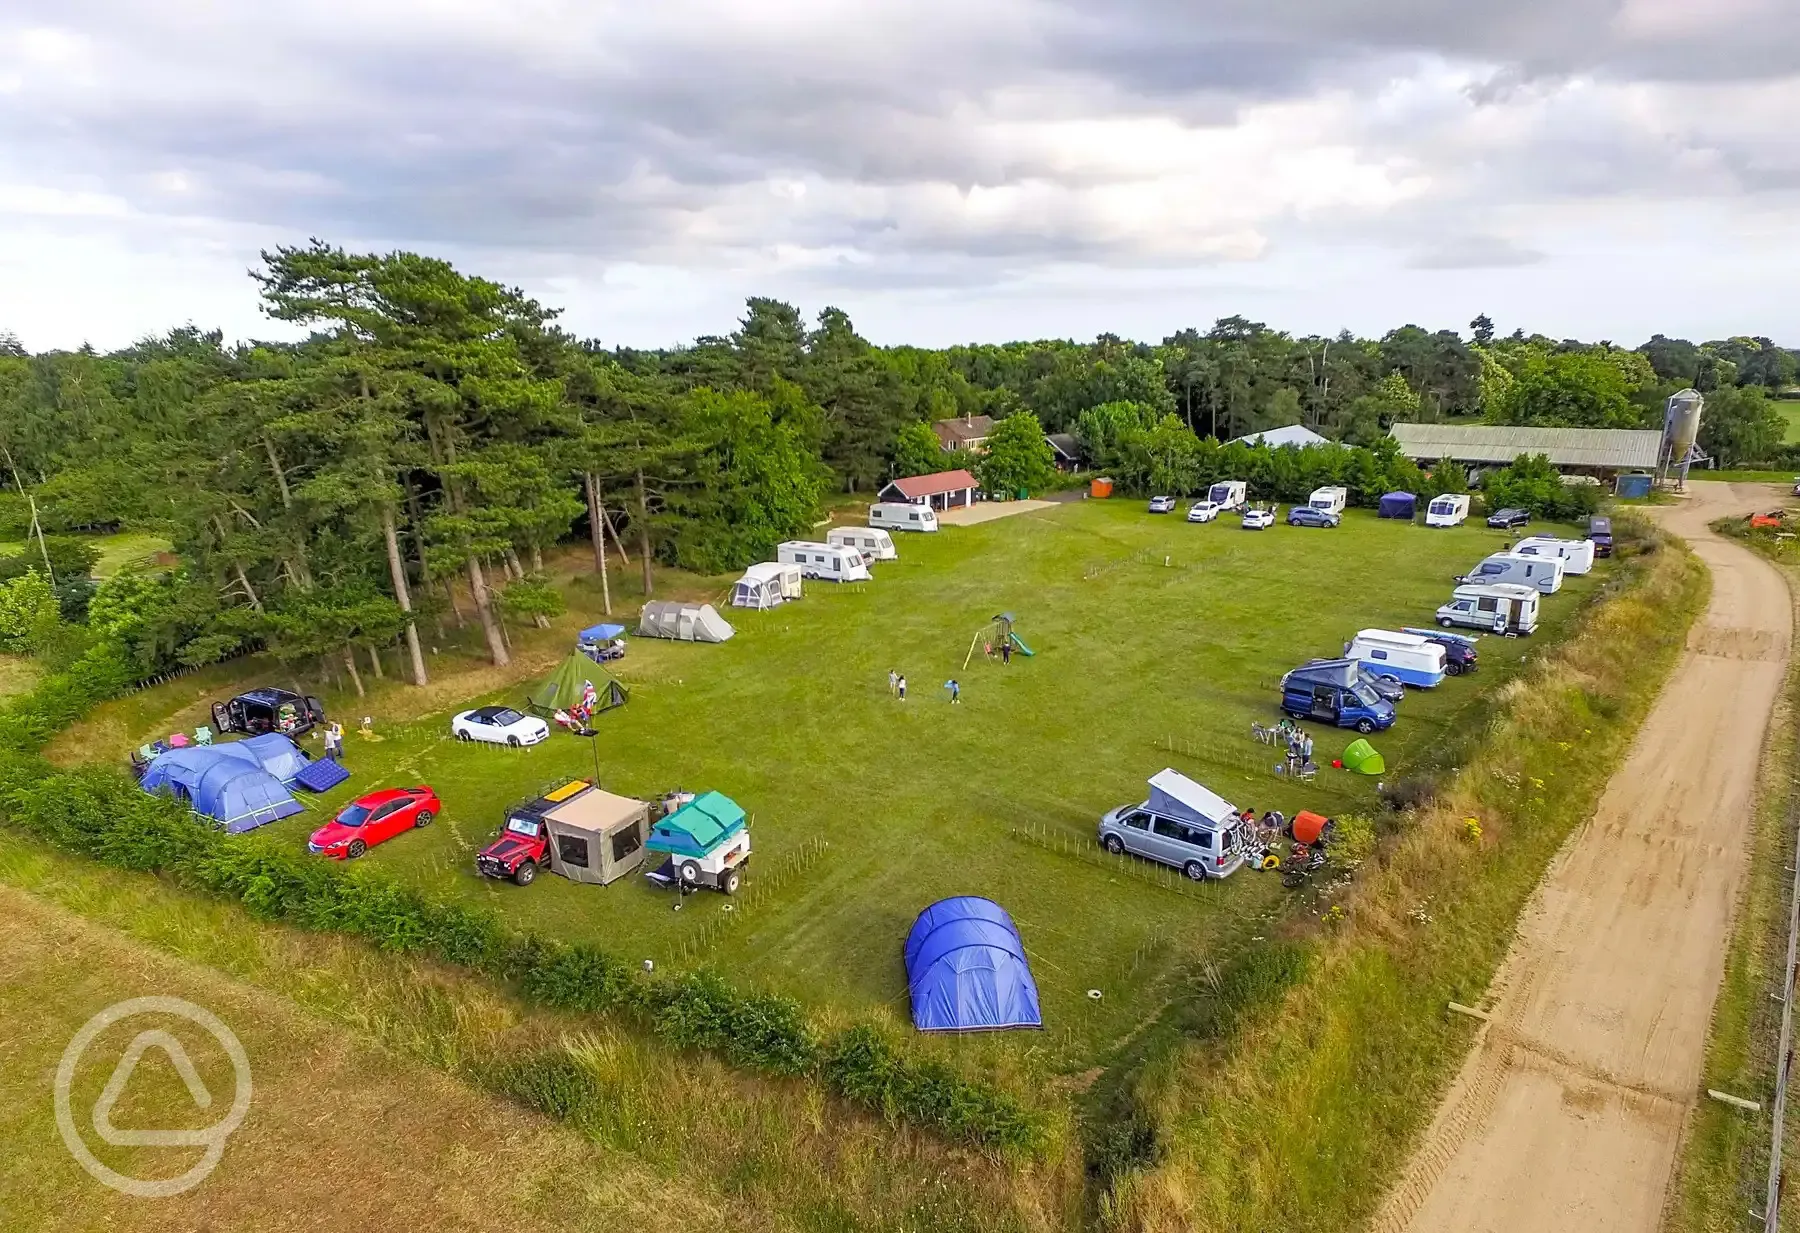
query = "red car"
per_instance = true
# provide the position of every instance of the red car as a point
(368, 820)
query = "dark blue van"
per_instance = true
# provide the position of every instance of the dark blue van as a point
(1332, 691)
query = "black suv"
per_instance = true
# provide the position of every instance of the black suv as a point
(1507, 519)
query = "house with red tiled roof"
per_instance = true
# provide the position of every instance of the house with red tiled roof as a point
(944, 490)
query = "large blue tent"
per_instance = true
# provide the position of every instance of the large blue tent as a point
(966, 969)
(240, 786)
(1397, 505)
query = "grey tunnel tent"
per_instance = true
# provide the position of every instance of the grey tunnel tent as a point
(563, 688)
(683, 622)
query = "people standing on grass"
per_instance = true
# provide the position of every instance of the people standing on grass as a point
(893, 683)
(1006, 652)
(955, 691)
(1306, 749)
(900, 686)
(334, 740)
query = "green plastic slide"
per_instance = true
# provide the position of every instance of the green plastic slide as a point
(1019, 643)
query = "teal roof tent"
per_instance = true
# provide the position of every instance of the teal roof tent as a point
(697, 827)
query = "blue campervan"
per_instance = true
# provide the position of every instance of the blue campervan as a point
(1332, 691)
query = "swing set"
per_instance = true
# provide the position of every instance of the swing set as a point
(998, 632)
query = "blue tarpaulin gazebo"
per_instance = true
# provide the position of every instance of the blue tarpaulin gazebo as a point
(966, 969)
(1398, 505)
(240, 786)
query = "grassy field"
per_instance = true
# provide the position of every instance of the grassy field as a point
(117, 552)
(1790, 412)
(1148, 631)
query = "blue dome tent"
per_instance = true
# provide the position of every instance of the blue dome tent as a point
(1397, 505)
(240, 786)
(966, 969)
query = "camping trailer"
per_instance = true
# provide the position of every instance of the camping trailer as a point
(1577, 555)
(1449, 510)
(902, 516)
(1229, 494)
(682, 622)
(767, 585)
(706, 842)
(1504, 608)
(834, 562)
(1543, 573)
(1407, 658)
(1332, 499)
(874, 543)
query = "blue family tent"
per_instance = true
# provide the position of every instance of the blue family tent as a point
(1398, 505)
(239, 786)
(966, 969)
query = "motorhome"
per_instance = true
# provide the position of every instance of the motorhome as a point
(833, 562)
(1503, 608)
(874, 543)
(1332, 500)
(1577, 555)
(1449, 510)
(1543, 573)
(1229, 494)
(902, 516)
(1407, 658)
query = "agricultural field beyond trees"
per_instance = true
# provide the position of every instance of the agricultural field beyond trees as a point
(1158, 643)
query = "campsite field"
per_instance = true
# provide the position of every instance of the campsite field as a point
(1158, 643)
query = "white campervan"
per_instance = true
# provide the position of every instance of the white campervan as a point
(874, 543)
(1229, 494)
(1504, 608)
(1543, 573)
(830, 561)
(1449, 510)
(1332, 500)
(1408, 658)
(1577, 555)
(902, 516)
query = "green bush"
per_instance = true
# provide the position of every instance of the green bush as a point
(1531, 483)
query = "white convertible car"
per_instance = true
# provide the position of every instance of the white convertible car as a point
(499, 725)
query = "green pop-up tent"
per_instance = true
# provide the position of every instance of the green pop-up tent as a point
(1361, 757)
(563, 688)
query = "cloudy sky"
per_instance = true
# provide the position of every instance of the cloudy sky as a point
(944, 170)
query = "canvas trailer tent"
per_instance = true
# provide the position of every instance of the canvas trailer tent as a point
(682, 622)
(966, 969)
(595, 836)
(239, 786)
(874, 543)
(1449, 510)
(830, 561)
(705, 842)
(767, 585)
(565, 688)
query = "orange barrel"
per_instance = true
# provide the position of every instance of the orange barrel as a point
(1100, 486)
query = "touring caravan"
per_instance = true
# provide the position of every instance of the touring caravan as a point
(1449, 510)
(1229, 494)
(1576, 555)
(1407, 658)
(830, 561)
(1504, 608)
(902, 516)
(874, 543)
(766, 586)
(1544, 573)
(1332, 500)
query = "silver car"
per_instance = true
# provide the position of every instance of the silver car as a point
(1200, 852)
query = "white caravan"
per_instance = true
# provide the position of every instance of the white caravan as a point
(1333, 499)
(874, 543)
(902, 516)
(1229, 494)
(1408, 658)
(1543, 573)
(833, 562)
(1449, 510)
(1576, 555)
(1504, 608)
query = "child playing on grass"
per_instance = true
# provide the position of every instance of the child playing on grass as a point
(955, 691)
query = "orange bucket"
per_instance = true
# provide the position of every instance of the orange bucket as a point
(1100, 487)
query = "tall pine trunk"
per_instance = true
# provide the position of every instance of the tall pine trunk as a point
(350, 663)
(402, 596)
(597, 533)
(375, 659)
(643, 497)
(484, 608)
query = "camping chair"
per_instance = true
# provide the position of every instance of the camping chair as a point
(1262, 734)
(203, 735)
(1308, 772)
(147, 752)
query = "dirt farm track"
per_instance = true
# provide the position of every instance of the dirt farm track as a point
(1568, 1112)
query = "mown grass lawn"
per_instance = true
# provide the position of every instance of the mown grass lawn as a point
(1145, 628)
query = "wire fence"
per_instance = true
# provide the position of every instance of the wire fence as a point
(1784, 1056)
(1149, 872)
(759, 890)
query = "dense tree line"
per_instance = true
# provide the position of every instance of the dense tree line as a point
(413, 459)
